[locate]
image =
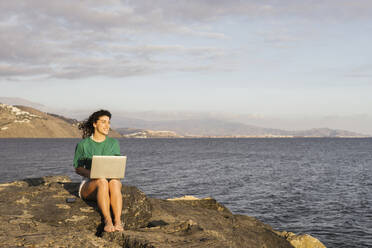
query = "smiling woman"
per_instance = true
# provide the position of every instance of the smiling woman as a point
(99, 120)
(107, 192)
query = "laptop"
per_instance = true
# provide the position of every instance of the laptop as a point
(108, 167)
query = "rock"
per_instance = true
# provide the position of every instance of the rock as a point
(184, 198)
(34, 212)
(302, 241)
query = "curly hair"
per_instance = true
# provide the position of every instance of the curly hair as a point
(87, 125)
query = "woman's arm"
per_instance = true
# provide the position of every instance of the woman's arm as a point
(79, 161)
(83, 172)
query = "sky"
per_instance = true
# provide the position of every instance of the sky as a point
(285, 59)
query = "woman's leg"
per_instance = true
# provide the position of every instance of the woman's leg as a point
(98, 190)
(116, 200)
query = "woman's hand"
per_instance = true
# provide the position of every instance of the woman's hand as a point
(83, 172)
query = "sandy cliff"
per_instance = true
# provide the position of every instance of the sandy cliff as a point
(26, 122)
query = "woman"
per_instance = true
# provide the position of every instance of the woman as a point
(105, 191)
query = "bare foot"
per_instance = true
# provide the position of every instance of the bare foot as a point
(109, 227)
(119, 227)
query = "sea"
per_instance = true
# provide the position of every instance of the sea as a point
(317, 186)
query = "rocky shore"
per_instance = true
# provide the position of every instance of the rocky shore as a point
(34, 213)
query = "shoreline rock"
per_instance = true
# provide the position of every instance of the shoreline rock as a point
(34, 212)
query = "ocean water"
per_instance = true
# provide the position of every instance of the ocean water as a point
(322, 187)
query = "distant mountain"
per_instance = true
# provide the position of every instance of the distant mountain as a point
(326, 132)
(220, 128)
(27, 122)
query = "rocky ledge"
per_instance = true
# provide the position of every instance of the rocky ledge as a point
(34, 213)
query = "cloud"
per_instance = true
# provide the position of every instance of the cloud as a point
(9, 71)
(76, 39)
(113, 38)
(361, 72)
(205, 10)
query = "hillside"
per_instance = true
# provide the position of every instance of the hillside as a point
(27, 122)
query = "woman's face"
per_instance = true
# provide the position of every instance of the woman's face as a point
(102, 126)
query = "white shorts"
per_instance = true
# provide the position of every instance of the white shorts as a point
(83, 181)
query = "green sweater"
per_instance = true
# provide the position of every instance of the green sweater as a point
(87, 147)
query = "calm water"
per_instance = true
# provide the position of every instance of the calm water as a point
(322, 187)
